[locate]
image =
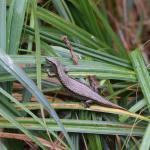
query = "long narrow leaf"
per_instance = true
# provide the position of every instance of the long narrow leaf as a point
(9, 65)
(81, 126)
(27, 111)
(14, 25)
(3, 24)
(143, 78)
(69, 28)
(7, 115)
(109, 30)
(145, 142)
(63, 9)
(141, 73)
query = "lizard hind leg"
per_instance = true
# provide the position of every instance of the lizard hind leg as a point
(87, 103)
(66, 70)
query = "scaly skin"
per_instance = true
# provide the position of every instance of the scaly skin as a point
(78, 89)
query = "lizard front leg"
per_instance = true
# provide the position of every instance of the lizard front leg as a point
(87, 103)
(66, 70)
(49, 73)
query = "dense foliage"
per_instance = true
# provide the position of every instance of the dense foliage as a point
(103, 44)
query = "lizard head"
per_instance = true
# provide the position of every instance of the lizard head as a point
(54, 62)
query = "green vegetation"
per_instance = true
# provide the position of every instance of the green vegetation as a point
(110, 40)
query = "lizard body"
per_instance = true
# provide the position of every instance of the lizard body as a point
(78, 89)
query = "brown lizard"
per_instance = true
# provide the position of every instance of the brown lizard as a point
(78, 89)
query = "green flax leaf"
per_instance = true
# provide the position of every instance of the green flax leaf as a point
(144, 82)
(20, 75)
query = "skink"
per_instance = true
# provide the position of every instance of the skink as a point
(78, 89)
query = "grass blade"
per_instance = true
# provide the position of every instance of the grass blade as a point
(109, 30)
(15, 21)
(63, 9)
(145, 142)
(143, 78)
(8, 64)
(69, 29)
(141, 73)
(81, 126)
(28, 111)
(7, 115)
(3, 24)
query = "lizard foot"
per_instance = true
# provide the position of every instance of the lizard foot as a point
(49, 74)
(87, 103)
(66, 70)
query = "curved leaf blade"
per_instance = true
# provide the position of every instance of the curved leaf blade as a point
(20, 75)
